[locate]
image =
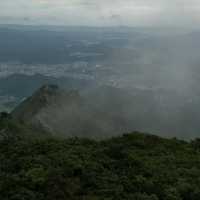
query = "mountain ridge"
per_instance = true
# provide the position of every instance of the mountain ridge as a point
(68, 113)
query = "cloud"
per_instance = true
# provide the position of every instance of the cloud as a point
(103, 12)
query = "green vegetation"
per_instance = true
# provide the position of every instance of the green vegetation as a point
(134, 166)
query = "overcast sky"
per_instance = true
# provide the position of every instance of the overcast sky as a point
(102, 12)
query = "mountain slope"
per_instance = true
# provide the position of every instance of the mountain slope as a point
(133, 166)
(41, 110)
(67, 114)
(106, 111)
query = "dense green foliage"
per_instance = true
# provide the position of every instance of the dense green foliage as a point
(134, 166)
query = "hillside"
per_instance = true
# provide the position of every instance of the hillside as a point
(67, 113)
(11, 93)
(104, 111)
(134, 166)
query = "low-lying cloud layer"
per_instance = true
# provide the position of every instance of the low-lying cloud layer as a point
(104, 12)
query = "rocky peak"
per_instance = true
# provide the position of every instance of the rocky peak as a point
(47, 96)
(50, 89)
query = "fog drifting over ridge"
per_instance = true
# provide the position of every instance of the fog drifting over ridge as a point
(102, 13)
(138, 60)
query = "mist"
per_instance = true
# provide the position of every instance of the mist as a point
(144, 53)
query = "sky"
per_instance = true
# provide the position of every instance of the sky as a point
(101, 12)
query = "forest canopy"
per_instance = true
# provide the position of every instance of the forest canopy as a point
(133, 166)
